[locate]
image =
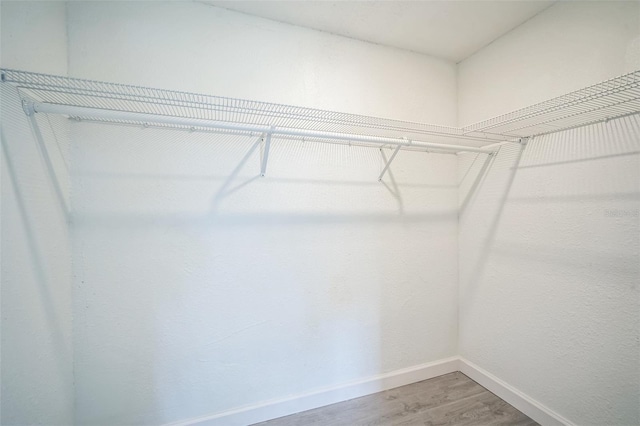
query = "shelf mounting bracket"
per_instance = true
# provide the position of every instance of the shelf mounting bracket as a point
(28, 108)
(265, 153)
(386, 167)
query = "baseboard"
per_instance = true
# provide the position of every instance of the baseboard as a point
(519, 400)
(284, 407)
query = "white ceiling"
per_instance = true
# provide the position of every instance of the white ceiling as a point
(453, 30)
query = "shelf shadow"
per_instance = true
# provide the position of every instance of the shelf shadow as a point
(475, 185)
(393, 189)
(224, 190)
(46, 288)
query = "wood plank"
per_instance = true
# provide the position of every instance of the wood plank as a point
(451, 399)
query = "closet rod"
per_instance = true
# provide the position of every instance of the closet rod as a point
(31, 107)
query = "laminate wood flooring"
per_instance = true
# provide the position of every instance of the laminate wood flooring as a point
(452, 399)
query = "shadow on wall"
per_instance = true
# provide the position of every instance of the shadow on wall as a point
(393, 187)
(240, 178)
(511, 154)
(36, 266)
(218, 288)
(550, 269)
(470, 182)
(577, 153)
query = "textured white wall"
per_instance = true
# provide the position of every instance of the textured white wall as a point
(564, 48)
(197, 47)
(201, 287)
(36, 354)
(549, 253)
(34, 36)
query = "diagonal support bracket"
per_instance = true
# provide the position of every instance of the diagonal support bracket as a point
(265, 153)
(386, 167)
(27, 106)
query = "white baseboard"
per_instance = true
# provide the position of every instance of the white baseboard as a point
(519, 400)
(284, 407)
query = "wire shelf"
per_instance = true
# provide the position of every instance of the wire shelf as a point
(610, 99)
(127, 98)
(604, 101)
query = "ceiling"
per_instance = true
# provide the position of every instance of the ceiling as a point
(452, 30)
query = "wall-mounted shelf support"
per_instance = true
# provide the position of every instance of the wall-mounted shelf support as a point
(386, 167)
(44, 155)
(265, 153)
(27, 107)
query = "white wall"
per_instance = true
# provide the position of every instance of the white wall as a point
(200, 289)
(34, 36)
(564, 48)
(549, 253)
(36, 356)
(197, 47)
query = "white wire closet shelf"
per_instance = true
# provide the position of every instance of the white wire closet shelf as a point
(614, 98)
(126, 104)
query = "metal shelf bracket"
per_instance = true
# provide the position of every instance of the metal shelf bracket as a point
(266, 138)
(386, 167)
(28, 107)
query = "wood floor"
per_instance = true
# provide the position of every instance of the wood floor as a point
(452, 399)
